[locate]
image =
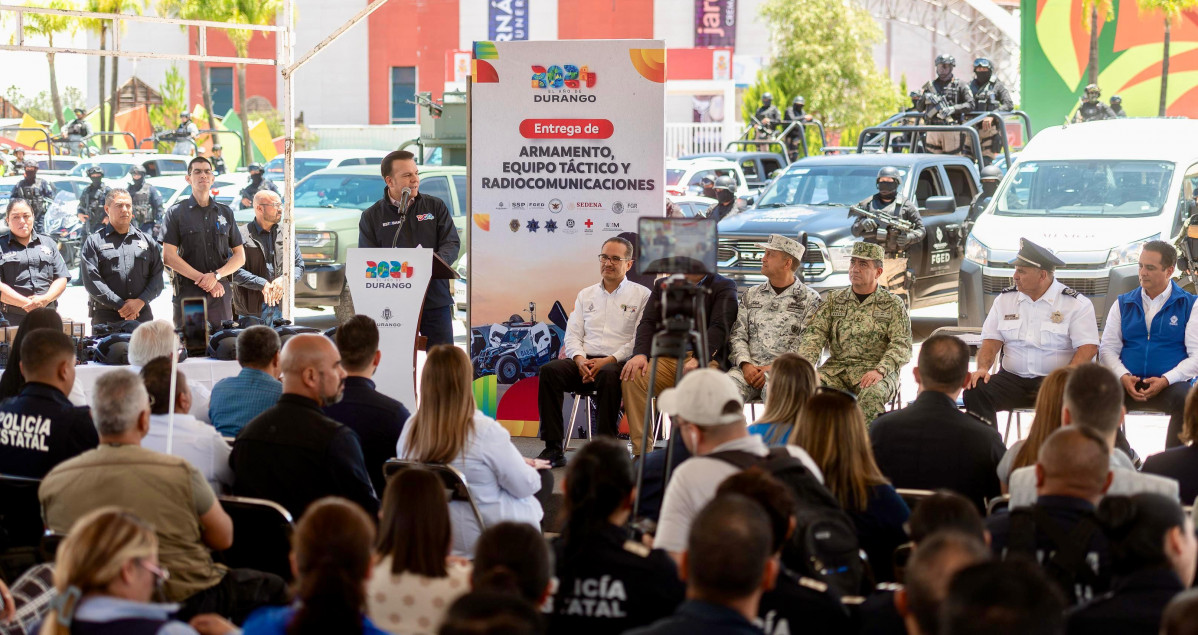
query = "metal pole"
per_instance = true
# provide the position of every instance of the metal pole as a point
(288, 231)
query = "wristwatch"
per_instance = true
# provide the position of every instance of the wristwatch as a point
(217, 274)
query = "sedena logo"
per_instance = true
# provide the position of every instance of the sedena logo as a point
(384, 269)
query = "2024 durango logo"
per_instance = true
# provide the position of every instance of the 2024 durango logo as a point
(562, 76)
(392, 269)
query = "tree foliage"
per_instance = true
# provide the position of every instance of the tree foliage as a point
(41, 105)
(822, 50)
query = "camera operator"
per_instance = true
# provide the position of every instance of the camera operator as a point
(772, 316)
(719, 305)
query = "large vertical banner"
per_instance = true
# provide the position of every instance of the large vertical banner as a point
(508, 20)
(567, 150)
(715, 23)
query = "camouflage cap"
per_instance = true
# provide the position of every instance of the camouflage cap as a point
(788, 246)
(869, 251)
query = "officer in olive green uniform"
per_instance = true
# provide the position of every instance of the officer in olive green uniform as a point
(771, 317)
(868, 332)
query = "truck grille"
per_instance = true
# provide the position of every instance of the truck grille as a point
(741, 253)
(1085, 286)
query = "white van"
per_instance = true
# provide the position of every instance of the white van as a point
(1093, 193)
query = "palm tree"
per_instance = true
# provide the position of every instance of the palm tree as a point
(47, 26)
(1094, 11)
(117, 6)
(256, 12)
(215, 10)
(1172, 10)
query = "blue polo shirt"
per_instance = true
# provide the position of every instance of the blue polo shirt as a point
(236, 400)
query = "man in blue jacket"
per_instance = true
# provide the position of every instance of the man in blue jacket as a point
(1151, 339)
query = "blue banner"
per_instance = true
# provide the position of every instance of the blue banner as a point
(508, 20)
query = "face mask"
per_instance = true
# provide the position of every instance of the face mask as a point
(989, 187)
(887, 188)
(96, 180)
(982, 76)
(256, 178)
(136, 180)
(724, 196)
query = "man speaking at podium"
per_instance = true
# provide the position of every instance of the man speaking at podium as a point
(406, 218)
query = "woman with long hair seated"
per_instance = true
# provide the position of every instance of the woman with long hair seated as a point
(1049, 401)
(791, 381)
(834, 434)
(106, 572)
(12, 381)
(448, 429)
(415, 579)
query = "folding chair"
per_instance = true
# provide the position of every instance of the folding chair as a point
(264, 531)
(453, 480)
(912, 497)
(569, 431)
(997, 504)
(20, 512)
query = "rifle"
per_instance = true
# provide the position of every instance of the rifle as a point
(936, 107)
(889, 227)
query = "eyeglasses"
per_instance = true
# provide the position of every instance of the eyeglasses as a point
(160, 573)
(615, 260)
(828, 390)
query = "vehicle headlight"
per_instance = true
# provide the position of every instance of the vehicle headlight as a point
(976, 252)
(840, 255)
(1128, 254)
(317, 247)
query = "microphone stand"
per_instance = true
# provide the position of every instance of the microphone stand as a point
(404, 198)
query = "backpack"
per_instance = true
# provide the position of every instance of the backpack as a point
(824, 545)
(1067, 567)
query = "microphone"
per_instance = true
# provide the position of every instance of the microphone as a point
(404, 197)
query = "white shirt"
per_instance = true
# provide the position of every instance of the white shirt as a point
(502, 484)
(1126, 482)
(1111, 348)
(199, 443)
(605, 323)
(693, 485)
(1040, 336)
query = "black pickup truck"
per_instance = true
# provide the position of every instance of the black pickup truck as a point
(813, 196)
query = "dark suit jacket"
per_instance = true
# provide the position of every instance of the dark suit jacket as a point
(720, 306)
(1180, 464)
(931, 444)
(376, 418)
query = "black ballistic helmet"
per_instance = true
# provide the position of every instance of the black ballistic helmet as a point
(889, 173)
(945, 58)
(95, 170)
(991, 173)
(725, 183)
(1115, 99)
(982, 62)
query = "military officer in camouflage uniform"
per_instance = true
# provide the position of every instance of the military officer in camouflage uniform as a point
(772, 316)
(867, 331)
(91, 200)
(147, 203)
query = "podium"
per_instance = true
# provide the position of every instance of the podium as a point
(389, 286)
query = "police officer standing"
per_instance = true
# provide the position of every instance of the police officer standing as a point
(1117, 107)
(257, 184)
(6, 158)
(202, 245)
(37, 192)
(147, 202)
(945, 101)
(185, 135)
(767, 115)
(258, 284)
(1040, 325)
(18, 161)
(32, 272)
(991, 175)
(91, 200)
(888, 203)
(218, 163)
(1092, 108)
(989, 95)
(725, 196)
(425, 221)
(123, 264)
(77, 131)
(794, 113)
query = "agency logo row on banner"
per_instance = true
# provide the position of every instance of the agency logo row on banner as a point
(567, 150)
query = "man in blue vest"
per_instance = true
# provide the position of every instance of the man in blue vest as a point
(1151, 339)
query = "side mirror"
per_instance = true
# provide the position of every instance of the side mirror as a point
(750, 201)
(940, 205)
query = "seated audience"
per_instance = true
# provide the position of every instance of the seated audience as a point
(414, 578)
(40, 427)
(791, 381)
(1001, 598)
(513, 558)
(728, 563)
(834, 434)
(1050, 400)
(641, 585)
(106, 573)
(1181, 463)
(331, 559)
(24, 606)
(448, 428)
(929, 572)
(199, 443)
(931, 444)
(795, 603)
(157, 338)
(292, 453)
(1153, 554)
(376, 418)
(1094, 399)
(12, 381)
(1181, 615)
(1060, 531)
(167, 492)
(491, 613)
(238, 399)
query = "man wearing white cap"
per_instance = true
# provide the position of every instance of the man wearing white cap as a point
(709, 412)
(772, 316)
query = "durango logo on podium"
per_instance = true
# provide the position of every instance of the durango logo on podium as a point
(384, 269)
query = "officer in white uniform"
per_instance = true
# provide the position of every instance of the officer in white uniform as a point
(1040, 325)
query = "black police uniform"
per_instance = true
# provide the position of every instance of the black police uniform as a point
(894, 266)
(1119, 112)
(264, 255)
(218, 165)
(253, 188)
(991, 95)
(931, 445)
(1134, 606)
(205, 238)
(1093, 111)
(801, 605)
(958, 101)
(78, 128)
(770, 112)
(91, 205)
(427, 223)
(121, 267)
(720, 211)
(40, 428)
(147, 205)
(29, 269)
(612, 584)
(37, 193)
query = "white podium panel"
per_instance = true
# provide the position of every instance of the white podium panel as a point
(388, 285)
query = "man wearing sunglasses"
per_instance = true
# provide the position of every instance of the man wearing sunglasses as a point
(599, 339)
(867, 331)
